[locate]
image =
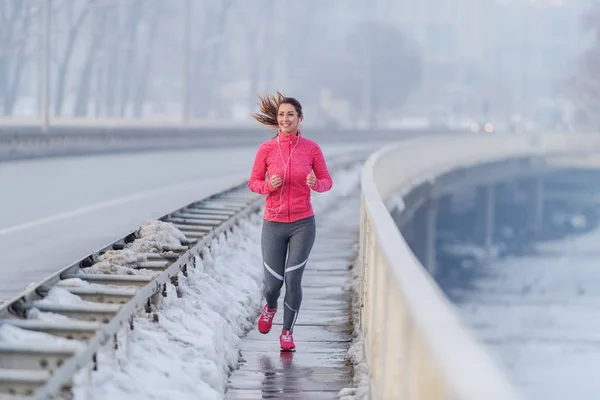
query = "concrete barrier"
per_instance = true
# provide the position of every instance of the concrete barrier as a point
(415, 344)
(23, 140)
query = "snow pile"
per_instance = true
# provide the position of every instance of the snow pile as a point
(104, 267)
(125, 257)
(76, 282)
(46, 316)
(58, 296)
(199, 332)
(156, 236)
(120, 262)
(152, 237)
(13, 335)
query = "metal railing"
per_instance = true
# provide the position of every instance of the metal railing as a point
(24, 140)
(415, 344)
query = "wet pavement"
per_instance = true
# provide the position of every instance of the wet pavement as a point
(318, 369)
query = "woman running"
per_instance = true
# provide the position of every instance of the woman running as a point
(294, 165)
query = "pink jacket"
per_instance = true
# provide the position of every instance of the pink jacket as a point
(291, 201)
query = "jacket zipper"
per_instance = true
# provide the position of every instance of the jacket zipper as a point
(289, 178)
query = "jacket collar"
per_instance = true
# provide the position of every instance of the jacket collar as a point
(286, 138)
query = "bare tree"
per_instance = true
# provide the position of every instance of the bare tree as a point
(131, 42)
(74, 22)
(257, 39)
(97, 19)
(15, 24)
(208, 57)
(119, 58)
(146, 61)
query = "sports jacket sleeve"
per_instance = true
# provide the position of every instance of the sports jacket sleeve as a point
(257, 182)
(323, 182)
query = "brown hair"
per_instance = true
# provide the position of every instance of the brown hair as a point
(269, 107)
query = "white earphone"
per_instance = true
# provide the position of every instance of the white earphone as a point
(285, 166)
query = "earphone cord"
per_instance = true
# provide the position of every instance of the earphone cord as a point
(285, 165)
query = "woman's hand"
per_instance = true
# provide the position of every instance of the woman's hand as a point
(311, 179)
(275, 181)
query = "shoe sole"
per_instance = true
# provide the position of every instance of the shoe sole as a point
(289, 351)
(264, 333)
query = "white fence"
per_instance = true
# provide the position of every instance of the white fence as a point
(415, 344)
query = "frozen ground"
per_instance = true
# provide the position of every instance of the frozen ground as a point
(539, 316)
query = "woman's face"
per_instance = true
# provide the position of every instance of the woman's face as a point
(287, 119)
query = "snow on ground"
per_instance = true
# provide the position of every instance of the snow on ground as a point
(13, 335)
(151, 237)
(539, 316)
(190, 351)
(156, 236)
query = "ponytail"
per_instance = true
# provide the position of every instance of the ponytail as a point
(269, 108)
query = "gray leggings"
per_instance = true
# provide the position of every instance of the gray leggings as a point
(295, 240)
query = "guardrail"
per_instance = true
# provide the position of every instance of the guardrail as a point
(23, 140)
(415, 344)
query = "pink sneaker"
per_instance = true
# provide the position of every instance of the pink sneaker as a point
(287, 341)
(266, 319)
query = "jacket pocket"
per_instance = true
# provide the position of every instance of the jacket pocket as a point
(269, 201)
(300, 204)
